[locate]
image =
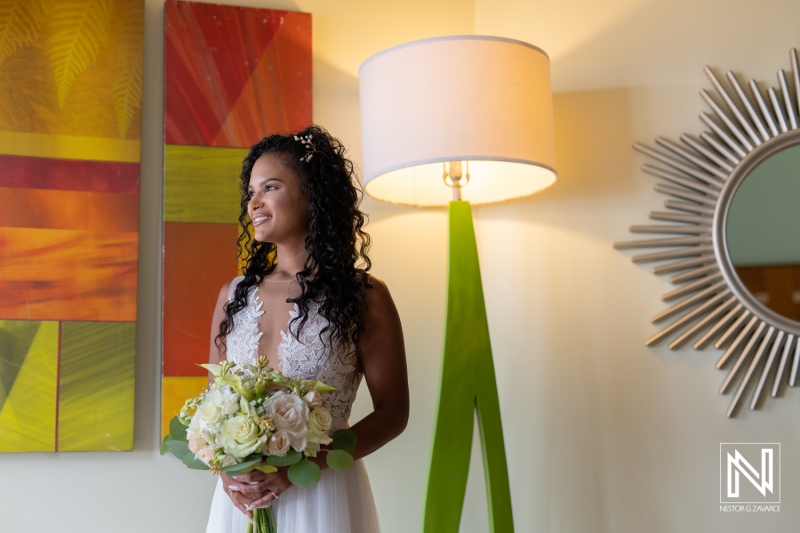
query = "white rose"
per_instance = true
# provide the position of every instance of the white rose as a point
(289, 412)
(194, 424)
(313, 398)
(241, 436)
(278, 444)
(206, 455)
(320, 419)
(210, 413)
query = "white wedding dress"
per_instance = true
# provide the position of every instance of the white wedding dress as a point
(342, 500)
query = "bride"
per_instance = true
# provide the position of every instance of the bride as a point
(307, 302)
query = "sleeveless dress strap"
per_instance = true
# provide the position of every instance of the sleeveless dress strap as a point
(234, 283)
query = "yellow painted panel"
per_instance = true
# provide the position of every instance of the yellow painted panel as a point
(174, 393)
(72, 67)
(201, 183)
(97, 386)
(70, 147)
(28, 415)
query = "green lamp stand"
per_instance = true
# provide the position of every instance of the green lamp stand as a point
(430, 109)
(467, 385)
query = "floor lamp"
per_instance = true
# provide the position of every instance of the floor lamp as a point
(453, 121)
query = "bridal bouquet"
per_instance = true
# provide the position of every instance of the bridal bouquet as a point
(255, 417)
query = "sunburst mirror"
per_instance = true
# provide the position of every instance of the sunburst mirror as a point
(730, 235)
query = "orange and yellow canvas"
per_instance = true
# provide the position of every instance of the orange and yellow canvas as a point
(232, 76)
(70, 129)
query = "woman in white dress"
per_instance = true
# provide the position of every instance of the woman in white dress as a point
(307, 302)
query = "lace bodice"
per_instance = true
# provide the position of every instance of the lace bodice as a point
(306, 357)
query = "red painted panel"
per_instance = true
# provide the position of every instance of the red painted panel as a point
(69, 174)
(234, 74)
(199, 259)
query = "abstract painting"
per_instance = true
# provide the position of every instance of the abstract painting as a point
(232, 76)
(70, 129)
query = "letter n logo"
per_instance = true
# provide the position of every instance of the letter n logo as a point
(750, 473)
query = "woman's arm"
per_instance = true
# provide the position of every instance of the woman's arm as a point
(382, 353)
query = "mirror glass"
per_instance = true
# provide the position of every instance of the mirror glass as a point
(763, 232)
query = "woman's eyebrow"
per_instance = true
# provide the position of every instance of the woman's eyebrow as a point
(265, 181)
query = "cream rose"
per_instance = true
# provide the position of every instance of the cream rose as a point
(197, 443)
(289, 412)
(320, 419)
(240, 436)
(278, 444)
(313, 398)
(206, 455)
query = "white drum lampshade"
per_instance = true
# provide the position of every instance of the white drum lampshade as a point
(485, 101)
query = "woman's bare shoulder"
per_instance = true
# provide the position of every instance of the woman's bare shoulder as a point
(225, 290)
(376, 288)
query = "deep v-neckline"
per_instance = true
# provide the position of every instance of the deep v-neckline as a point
(283, 333)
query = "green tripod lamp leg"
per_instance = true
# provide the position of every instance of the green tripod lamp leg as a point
(467, 383)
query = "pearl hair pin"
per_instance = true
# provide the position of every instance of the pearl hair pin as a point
(309, 146)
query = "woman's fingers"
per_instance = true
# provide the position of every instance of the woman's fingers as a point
(240, 501)
(253, 476)
(254, 491)
(266, 501)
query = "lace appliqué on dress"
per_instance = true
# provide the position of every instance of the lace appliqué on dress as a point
(241, 344)
(333, 364)
(308, 357)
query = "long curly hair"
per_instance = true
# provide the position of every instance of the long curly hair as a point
(335, 273)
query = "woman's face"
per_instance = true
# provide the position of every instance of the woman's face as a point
(277, 207)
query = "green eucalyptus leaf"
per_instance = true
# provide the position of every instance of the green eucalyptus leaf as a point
(304, 473)
(268, 469)
(241, 468)
(179, 448)
(177, 431)
(339, 460)
(291, 457)
(344, 439)
(195, 464)
(164, 445)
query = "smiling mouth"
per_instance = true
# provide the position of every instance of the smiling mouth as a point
(259, 219)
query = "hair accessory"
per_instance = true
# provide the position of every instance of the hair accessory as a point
(309, 146)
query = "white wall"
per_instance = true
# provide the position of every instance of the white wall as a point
(603, 434)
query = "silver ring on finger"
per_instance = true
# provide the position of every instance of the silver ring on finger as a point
(274, 496)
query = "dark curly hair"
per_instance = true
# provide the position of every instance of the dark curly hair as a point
(335, 273)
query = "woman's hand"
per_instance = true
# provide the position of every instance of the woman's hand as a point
(255, 489)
